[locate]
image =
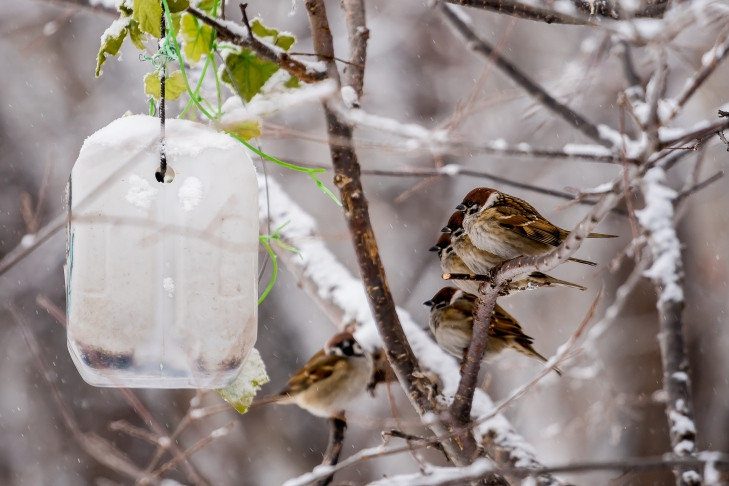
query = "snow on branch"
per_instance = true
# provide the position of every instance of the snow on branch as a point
(666, 272)
(657, 218)
(342, 298)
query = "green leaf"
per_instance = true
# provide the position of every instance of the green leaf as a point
(293, 82)
(176, 6)
(246, 129)
(248, 72)
(174, 85)
(241, 392)
(148, 13)
(111, 41)
(136, 35)
(206, 5)
(198, 39)
(284, 41)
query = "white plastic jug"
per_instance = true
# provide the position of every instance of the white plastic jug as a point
(161, 279)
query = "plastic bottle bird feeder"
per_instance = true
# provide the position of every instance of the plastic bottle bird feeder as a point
(161, 279)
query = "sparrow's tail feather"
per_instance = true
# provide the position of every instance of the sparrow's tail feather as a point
(564, 283)
(601, 235)
(259, 401)
(585, 262)
(527, 349)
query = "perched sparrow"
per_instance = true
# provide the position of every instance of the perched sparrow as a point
(331, 379)
(451, 322)
(450, 262)
(481, 262)
(509, 226)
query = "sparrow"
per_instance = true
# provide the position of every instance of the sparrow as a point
(510, 227)
(450, 262)
(481, 262)
(451, 322)
(330, 380)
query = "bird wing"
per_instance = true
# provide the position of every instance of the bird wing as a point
(318, 368)
(521, 217)
(505, 326)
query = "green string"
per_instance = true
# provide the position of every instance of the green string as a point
(265, 241)
(164, 55)
(312, 172)
(195, 98)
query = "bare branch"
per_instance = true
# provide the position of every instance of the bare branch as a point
(358, 34)
(337, 426)
(526, 11)
(233, 33)
(532, 88)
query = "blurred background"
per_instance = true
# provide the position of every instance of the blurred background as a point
(607, 406)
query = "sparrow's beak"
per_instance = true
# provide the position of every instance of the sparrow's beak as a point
(434, 248)
(446, 229)
(429, 303)
(461, 207)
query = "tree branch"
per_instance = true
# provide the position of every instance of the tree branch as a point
(347, 179)
(337, 426)
(358, 34)
(237, 35)
(526, 11)
(532, 88)
(667, 273)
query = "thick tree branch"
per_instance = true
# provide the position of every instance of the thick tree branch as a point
(347, 179)
(532, 88)
(237, 35)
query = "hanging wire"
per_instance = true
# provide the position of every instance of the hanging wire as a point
(163, 47)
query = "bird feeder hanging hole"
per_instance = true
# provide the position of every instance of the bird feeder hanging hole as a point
(161, 278)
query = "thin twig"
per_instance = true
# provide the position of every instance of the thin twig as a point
(532, 88)
(714, 58)
(227, 31)
(337, 426)
(526, 11)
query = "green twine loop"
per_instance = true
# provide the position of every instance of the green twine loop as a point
(266, 242)
(164, 55)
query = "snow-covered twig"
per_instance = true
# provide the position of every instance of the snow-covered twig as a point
(444, 476)
(666, 272)
(709, 62)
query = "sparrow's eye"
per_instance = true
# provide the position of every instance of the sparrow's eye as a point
(472, 209)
